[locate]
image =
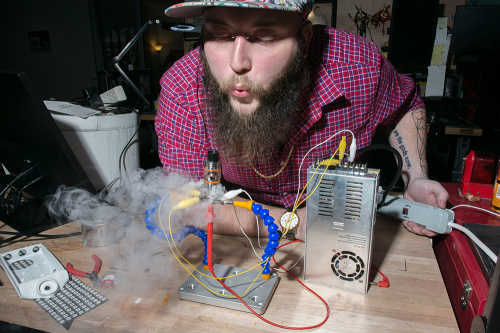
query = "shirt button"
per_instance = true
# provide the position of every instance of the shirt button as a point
(282, 163)
(285, 193)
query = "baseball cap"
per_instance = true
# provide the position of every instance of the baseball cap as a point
(196, 8)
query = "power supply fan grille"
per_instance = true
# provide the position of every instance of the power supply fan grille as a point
(348, 266)
(353, 201)
(326, 197)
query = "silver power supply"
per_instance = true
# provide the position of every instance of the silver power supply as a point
(341, 212)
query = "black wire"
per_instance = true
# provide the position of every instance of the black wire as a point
(394, 180)
(38, 235)
(20, 195)
(26, 171)
(33, 233)
(127, 146)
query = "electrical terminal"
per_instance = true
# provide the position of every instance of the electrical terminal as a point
(230, 194)
(382, 284)
(222, 202)
(342, 146)
(352, 150)
(225, 199)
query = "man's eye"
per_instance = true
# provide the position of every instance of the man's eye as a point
(223, 38)
(261, 39)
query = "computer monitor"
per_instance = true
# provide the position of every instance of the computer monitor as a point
(476, 31)
(34, 156)
(412, 32)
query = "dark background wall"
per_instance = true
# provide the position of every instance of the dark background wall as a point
(69, 65)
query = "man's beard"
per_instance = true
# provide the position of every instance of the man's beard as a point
(246, 137)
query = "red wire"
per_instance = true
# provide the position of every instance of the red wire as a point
(264, 319)
(210, 228)
(385, 282)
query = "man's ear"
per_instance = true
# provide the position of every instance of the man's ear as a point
(307, 34)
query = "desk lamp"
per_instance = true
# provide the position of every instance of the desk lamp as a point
(116, 60)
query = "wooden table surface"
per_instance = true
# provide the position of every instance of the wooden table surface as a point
(145, 297)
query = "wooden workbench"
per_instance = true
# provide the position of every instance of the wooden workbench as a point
(145, 297)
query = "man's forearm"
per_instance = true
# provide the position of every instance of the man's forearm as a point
(226, 220)
(409, 137)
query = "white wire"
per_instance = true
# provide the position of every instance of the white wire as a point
(256, 220)
(280, 270)
(243, 231)
(478, 208)
(471, 235)
(475, 240)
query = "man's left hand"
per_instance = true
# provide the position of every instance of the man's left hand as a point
(428, 192)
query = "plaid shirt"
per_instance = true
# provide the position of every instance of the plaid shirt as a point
(355, 88)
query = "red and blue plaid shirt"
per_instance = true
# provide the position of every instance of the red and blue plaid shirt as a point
(355, 88)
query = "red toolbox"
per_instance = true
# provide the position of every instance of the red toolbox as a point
(466, 270)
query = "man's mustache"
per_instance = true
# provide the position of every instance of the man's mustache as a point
(254, 87)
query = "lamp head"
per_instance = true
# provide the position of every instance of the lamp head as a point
(179, 27)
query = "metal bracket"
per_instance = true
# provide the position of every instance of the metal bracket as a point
(257, 293)
(466, 294)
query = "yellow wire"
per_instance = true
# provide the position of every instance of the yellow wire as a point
(211, 277)
(305, 187)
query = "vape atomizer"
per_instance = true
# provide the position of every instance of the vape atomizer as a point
(212, 169)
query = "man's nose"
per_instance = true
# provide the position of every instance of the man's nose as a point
(241, 57)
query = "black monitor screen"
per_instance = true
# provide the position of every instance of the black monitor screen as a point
(476, 30)
(412, 33)
(35, 158)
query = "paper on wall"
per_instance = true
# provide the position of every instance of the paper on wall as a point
(435, 80)
(441, 43)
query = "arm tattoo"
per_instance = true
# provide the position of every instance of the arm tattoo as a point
(420, 121)
(402, 148)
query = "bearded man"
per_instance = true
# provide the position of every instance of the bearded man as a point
(265, 87)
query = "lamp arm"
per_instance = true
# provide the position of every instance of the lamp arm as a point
(116, 61)
(133, 41)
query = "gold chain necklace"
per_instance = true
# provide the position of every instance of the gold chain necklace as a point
(279, 171)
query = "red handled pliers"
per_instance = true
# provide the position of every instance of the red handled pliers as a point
(92, 276)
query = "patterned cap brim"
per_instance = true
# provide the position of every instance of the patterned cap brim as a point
(195, 9)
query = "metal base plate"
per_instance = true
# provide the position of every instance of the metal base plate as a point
(257, 297)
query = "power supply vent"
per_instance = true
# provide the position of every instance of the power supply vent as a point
(354, 194)
(326, 197)
(348, 266)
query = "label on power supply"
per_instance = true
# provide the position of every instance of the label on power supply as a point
(357, 241)
(338, 225)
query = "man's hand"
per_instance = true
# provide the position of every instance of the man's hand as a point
(428, 192)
